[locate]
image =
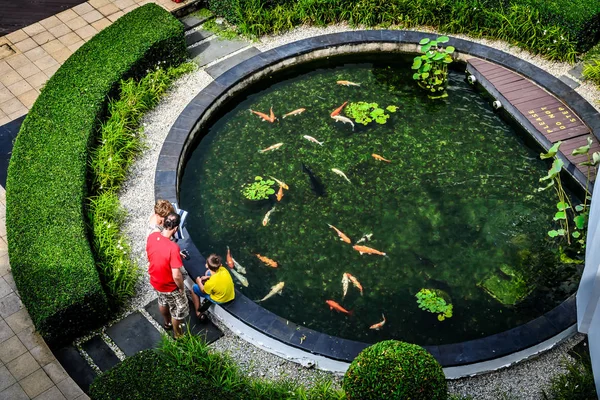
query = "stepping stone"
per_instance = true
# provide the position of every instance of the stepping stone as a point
(215, 49)
(192, 21)
(232, 61)
(134, 334)
(577, 71)
(76, 366)
(208, 330)
(197, 36)
(570, 82)
(8, 133)
(101, 353)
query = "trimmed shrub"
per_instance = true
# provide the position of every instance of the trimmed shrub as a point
(395, 370)
(50, 255)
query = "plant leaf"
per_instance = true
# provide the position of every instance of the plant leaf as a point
(559, 215)
(449, 49)
(553, 233)
(576, 234)
(443, 39)
(551, 151)
(579, 221)
(562, 206)
(424, 41)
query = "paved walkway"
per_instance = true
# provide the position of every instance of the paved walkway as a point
(28, 369)
(30, 56)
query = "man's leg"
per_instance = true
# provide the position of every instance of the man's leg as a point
(177, 328)
(196, 298)
(179, 312)
(163, 307)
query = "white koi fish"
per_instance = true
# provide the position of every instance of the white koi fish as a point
(274, 147)
(274, 290)
(345, 282)
(347, 83)
(345, 120)
(365, 238)
(340, 173)
(312, 139)
(280, 183)
(238, 267)
(239, 277)
(265, 220)
(378, 325)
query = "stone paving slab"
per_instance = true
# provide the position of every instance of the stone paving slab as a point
(134, 333)
(192, 21)
(197, 36)
(219, 68)
(215, 49)
(76, 366)
(570, 82)
(101, 354)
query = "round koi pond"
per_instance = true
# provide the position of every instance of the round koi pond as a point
(353, 206)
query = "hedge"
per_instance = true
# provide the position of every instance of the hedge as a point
(51, 259)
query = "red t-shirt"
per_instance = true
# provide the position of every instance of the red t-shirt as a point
(163, 255)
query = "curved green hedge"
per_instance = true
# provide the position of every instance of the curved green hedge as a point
(50, 256)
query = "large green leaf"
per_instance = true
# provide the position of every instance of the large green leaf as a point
(449, 49)
(551, 151)
(560, 215)
(424, 41)
(443, 39)
(417, 63)
(561, 205)
(579, 221)
(426, 68)
(439, 56)
(583, 149)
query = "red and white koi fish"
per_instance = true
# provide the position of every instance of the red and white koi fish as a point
(280, 183)
(267, 217)
(343, 237)
(347, 83)
(273, 147)
(355, 282)
(378, 325)
(345, 282)
(338, 110)
(379, 158)
(230, 259)
(280, 193)
(367, 250)
(335, 306)
(267, 261)
(312, 139)
(345, 120)
(295, 112)
(274, 290)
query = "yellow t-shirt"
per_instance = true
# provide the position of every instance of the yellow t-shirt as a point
(220, 286)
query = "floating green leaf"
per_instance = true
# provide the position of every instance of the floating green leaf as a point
(551, 151)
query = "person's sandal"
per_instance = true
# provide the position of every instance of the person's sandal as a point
(167, 327)
(203, 318)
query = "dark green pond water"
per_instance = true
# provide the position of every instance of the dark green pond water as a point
(456, 203)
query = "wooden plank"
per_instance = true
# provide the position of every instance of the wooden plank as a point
(531, 96)
(505, 80)
(497, 73)
(510, 87)
(22, 13)
(565, 134)
(526, 107)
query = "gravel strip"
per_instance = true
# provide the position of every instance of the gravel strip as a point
(522, 381)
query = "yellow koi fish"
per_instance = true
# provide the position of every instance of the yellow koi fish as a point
(274, 147)
(274, 290)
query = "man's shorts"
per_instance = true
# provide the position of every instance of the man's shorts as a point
(177, 303)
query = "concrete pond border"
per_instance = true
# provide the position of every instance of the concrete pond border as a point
(306, 346)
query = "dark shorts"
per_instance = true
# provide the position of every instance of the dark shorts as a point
(177, 303)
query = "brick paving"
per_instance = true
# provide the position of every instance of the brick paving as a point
(30, 56)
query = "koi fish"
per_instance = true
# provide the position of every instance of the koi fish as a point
(238, 267)
(356, 283)
(338, 110)
(239, 277)
(274, 147)
(379, 158)
(295, 112)
(340, 173)
(229, 259)
(274, 290)
(280, 183)
(345, 282)
(347, 83)
(367, 250)
(378, 325)
(271, 115)
(339, 118)
(335, 306)
(280, 193)
(312, 139)
(315, 182)
(343, 237)
(365, 238)
(264, 116)
(267, 217)
(267, 261)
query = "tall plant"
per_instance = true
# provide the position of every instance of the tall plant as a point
(432, 66)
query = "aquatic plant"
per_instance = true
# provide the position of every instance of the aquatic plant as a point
(260, 189)
(364, 113)
(507, 285)
(435, 301)
(432, 66)
(395, 370)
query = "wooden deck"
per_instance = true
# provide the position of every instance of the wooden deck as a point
(552, 118)
(15, 15)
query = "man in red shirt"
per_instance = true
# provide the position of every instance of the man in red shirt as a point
(165, 274)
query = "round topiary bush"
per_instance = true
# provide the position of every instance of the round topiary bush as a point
(395, 370)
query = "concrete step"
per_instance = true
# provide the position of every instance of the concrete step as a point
(222, 66)
(76, 366)
(577, 71)
(134, 333)
(197, 36)
(102, 355)
(214, 49)
(192, 21)
(570, 82)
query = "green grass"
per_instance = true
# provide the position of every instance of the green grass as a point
(224, 31)
(575, 384)
(50, 253)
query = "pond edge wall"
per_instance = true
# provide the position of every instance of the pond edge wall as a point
(330, 352)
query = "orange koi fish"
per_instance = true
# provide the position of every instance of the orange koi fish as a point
(267, 261)
(356, 283)
(378, 325)
(271, 115)
(347, 83)
(335, 306)
(269, 118)
(295, 112)
(379, 158)
(229, 259)
(280, 183)
(273, 147)
(367, 250)
(338, 110)
(280, 193)
(343, 237)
